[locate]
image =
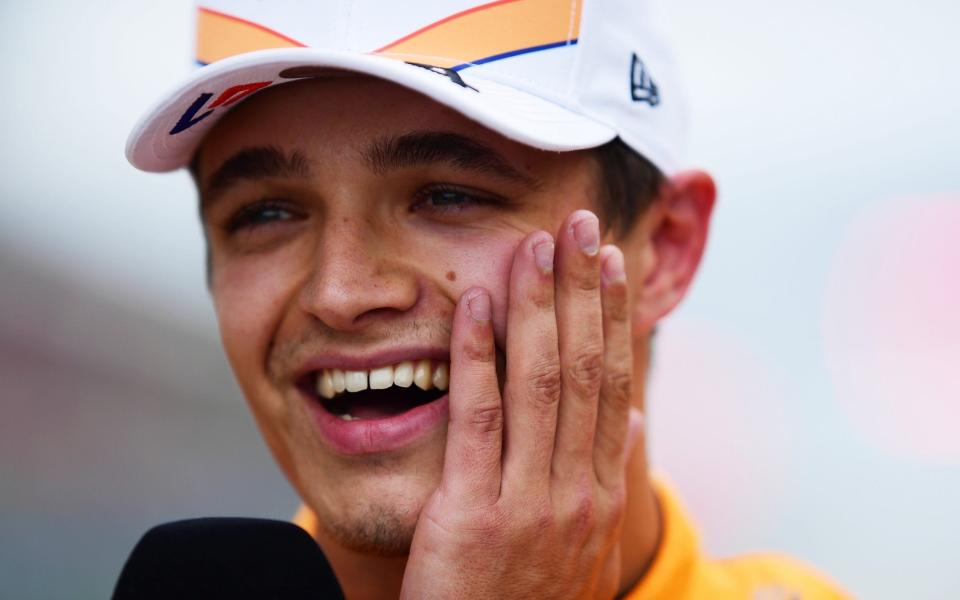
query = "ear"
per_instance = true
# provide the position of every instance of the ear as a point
(671, 241)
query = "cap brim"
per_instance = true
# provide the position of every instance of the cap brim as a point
(515, 114)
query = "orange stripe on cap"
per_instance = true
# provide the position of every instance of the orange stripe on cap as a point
(220, 35)
(505, 27)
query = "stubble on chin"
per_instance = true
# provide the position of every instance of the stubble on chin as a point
(375, 529)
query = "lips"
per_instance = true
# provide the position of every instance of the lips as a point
(378, 409)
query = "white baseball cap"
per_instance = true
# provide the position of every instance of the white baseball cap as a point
(552, 74)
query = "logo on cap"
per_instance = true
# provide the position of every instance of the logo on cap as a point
(448, 73)
(642, 87)
(232, 94)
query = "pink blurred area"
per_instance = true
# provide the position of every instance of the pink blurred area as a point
(891, 327)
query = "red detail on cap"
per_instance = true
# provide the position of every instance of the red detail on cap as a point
(238, 92)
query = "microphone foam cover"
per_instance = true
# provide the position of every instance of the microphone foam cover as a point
(227, 558)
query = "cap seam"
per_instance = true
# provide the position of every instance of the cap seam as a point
(572, 76)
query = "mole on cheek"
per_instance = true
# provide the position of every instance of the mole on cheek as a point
(451, 276)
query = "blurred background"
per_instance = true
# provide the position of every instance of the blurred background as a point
(805, 398)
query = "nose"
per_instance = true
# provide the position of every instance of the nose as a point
(357, 277)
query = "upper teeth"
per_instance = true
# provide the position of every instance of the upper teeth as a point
(426, 374)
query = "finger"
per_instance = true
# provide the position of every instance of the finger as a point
(471, 467)
(609, 576)
(532, 389)
(613, 416)
(580, 329)
(634, 431)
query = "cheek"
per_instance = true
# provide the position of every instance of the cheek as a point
(249, 300)
(482, 261)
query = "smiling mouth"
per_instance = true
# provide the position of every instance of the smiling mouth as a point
(382, 392)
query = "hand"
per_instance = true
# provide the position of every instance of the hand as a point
(532, 495)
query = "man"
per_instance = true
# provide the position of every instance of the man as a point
(440, 237)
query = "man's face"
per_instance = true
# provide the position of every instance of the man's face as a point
(345, 217)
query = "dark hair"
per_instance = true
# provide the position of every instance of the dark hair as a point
(629, 185)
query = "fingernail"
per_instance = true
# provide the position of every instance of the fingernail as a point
(543, 255)
(613, 266)
(587, 233)
(478, 306)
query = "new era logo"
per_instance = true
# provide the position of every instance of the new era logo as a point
(642, 87)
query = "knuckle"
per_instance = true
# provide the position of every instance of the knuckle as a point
(608, 442)
(619, 387)
(541, 296)
(543, 517)
(617, 506)
(585, 372)
(481, 529)
(486, 417)
(615, 305)
(587, 280)
(583, 515)
(545, 384)
(489, 521)
(534, 517)
(476, 350)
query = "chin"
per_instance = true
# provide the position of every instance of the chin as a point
(372, 506)
(375, 529)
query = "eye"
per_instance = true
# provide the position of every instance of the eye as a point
(443, 198)
(260, 214)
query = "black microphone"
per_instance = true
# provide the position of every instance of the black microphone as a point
(227, 558)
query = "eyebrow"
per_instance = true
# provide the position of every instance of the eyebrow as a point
(423, 148)
(256, 163)
(384, 155)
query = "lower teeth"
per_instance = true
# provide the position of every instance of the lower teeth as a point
(347, 417)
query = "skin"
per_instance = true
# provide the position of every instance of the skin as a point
(538, 487)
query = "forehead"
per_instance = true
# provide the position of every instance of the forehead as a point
(337, 117)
